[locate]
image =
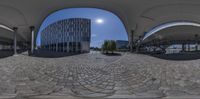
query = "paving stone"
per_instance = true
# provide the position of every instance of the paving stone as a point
(98, 75)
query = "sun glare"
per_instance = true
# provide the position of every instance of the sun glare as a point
(99, 21)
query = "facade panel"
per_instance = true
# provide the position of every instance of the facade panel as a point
(69, 35)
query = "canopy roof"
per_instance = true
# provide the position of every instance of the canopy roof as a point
(138, 15)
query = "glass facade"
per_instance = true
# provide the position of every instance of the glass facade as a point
(122, 44)
(69, 35)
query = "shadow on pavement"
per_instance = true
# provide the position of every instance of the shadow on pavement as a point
(113, 54)
(179, 56)
(6, 53)
(47, 54)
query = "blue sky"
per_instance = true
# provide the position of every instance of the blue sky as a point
(105, 25)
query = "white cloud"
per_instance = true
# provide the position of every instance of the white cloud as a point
(94, 35)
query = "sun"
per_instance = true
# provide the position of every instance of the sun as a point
(99, 21)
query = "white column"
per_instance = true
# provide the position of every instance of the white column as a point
(15, 40)
(32, 39)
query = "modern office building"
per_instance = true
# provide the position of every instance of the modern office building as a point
(69, 35)
(122, 44)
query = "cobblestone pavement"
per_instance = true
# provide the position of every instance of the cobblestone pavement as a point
(96, 75)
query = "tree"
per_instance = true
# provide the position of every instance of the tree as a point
(113, 46)
(109, 45)
(105, 47)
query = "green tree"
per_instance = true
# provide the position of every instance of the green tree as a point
(109, 45)
(105, 47)
(113, 46)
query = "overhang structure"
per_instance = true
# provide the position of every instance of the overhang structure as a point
(138, 16)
